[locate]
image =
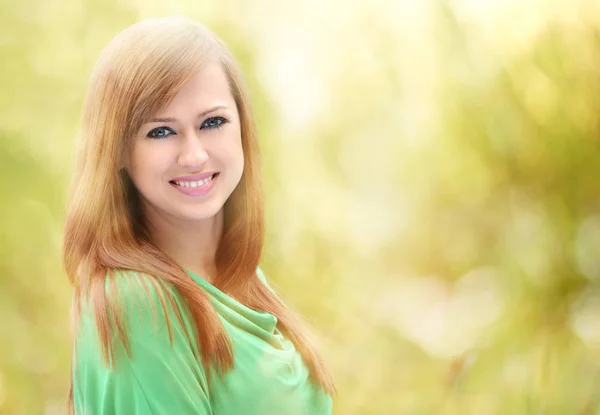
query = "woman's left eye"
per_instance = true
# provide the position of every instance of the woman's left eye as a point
(213, 122)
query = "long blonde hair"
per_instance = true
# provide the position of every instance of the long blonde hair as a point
(136, 75)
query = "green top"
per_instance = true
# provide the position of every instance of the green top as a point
(269, 376)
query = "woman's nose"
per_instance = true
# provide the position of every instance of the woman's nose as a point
(192, 153)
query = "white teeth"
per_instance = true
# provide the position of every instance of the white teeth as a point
(194, 184)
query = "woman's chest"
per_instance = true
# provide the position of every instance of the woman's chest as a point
(269, 377)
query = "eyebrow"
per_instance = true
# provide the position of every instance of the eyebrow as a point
(202, 114)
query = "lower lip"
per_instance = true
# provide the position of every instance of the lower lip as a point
(197, 191)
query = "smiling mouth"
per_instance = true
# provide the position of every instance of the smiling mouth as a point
(192, 184)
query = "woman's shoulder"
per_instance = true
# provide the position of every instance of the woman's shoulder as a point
(129, 291)
(158, 364)
(136, 303)
(261, 276)
(137, 288)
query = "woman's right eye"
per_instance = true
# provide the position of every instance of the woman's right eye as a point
(160, 132)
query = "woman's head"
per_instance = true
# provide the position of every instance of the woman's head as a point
(167, 106)
(186, 161)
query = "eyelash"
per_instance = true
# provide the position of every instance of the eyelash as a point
(221, 122)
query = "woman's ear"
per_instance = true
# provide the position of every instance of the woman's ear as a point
(124, 162)
(124, 169)
(124, 175)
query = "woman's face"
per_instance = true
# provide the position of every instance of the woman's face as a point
(188, 159)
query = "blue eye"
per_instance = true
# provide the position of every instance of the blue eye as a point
(213, 122)
(160, 132)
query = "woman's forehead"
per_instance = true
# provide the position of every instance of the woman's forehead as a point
(206, 91)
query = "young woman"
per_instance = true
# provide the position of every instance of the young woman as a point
(163, 238)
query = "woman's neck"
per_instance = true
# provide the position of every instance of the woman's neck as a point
(192, 245)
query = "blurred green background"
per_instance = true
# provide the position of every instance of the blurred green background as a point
(433, 205)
